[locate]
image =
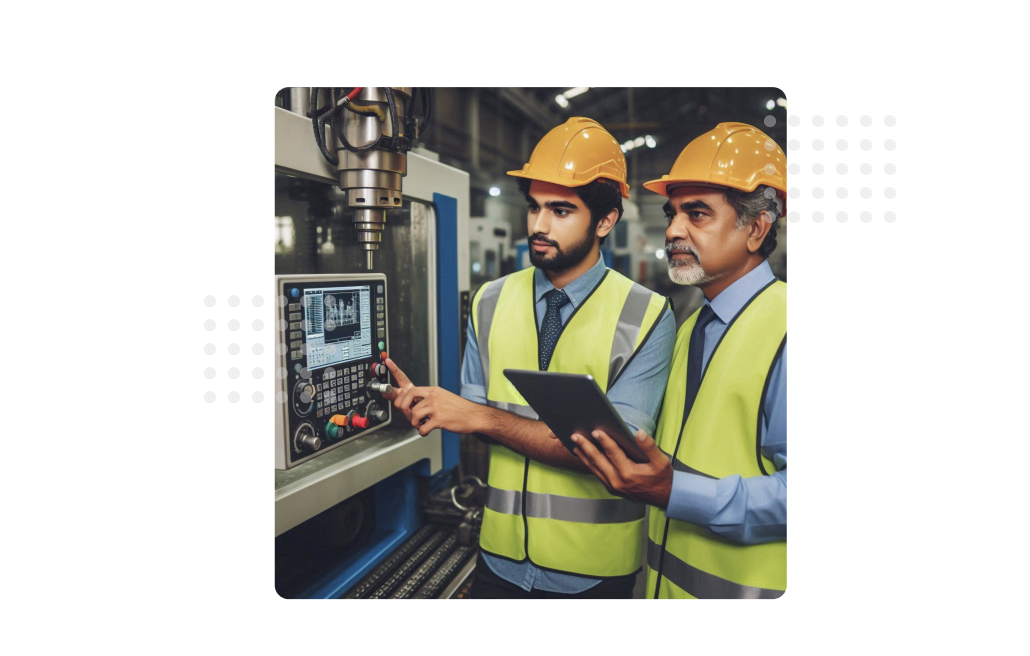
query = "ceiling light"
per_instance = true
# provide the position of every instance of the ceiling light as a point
(572, 93)
(560, 99)
(495, 191)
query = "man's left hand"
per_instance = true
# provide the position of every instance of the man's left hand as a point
(650, 482)
(442, 409)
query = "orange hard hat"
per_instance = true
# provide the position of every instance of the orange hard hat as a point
(733, 155)
(575, 154)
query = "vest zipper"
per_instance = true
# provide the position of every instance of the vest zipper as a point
(525, 521)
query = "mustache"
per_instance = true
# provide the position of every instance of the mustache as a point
(543, 240)
(681, 247)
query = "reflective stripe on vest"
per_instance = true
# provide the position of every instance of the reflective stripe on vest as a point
(560, 520)
(566, 509)
(719, 439)
(701, 584)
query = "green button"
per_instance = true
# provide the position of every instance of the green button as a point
(382, 345)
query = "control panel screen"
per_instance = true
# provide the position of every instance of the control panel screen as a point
(338, 324)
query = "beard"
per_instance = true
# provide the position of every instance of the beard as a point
(687, 271)
(563, 258)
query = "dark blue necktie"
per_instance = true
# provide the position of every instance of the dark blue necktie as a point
(551, 328)
(695, 357)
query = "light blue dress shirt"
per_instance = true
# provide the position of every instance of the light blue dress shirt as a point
(636, 395)
(743, 510)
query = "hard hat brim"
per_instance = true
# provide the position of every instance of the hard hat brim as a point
(566, 182)
(662, 185)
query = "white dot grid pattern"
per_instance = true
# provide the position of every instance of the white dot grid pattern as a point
(234, 349)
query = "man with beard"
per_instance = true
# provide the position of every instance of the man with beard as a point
(550, 529)
(717, 477)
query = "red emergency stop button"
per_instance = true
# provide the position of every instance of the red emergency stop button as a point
(358, 421)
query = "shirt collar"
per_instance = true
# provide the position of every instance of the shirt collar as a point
(731, 300)
(578, 289)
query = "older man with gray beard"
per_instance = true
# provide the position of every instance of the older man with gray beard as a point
(717, 476)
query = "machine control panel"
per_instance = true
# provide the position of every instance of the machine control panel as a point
(333, 344)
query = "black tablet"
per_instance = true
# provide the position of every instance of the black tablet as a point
(573, 403)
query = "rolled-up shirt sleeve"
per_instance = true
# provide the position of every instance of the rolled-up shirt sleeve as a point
(473, 387)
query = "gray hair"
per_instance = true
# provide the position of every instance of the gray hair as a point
(750, 205)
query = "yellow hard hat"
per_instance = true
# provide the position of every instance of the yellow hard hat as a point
(733, 155)
(575, 154)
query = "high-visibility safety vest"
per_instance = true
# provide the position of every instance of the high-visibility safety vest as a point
(558, 519)
(719, 439)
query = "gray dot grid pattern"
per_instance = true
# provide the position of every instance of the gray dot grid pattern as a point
(550, 329)
(864, 131)
(236, 361)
